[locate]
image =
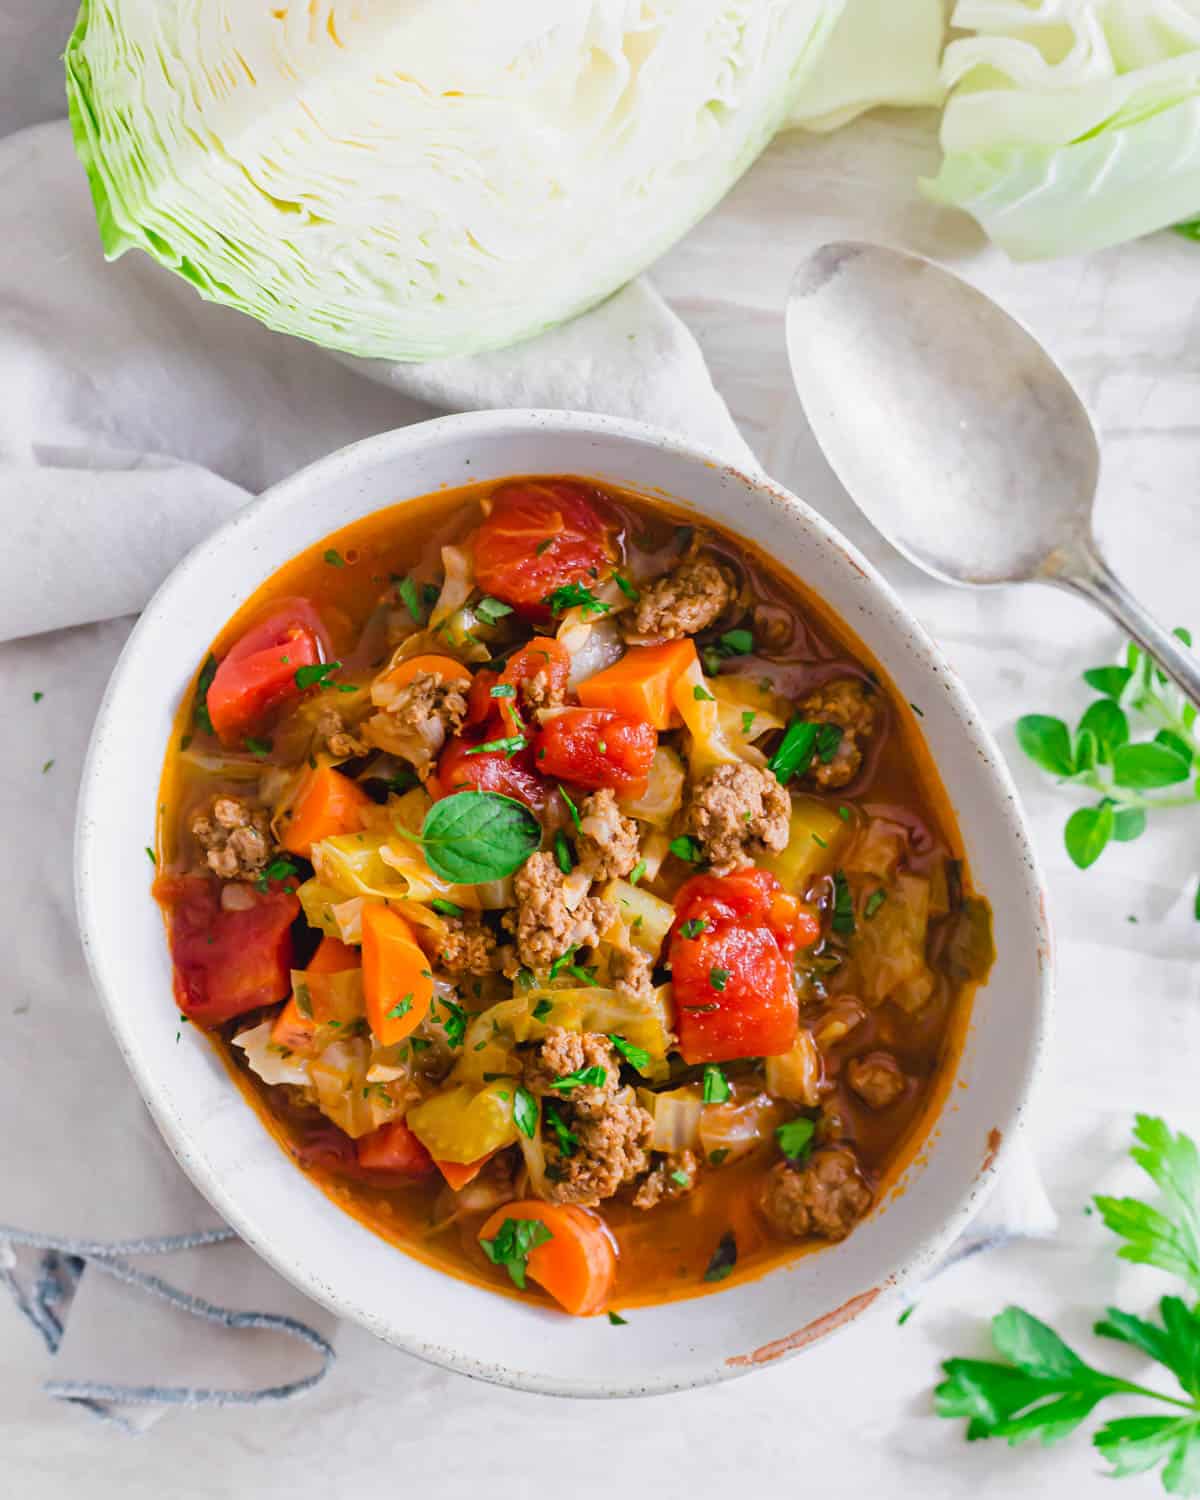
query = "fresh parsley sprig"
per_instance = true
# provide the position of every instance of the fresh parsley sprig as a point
(1129, 776)
(1044, 1390)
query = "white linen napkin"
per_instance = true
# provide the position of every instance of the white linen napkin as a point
(134, 419)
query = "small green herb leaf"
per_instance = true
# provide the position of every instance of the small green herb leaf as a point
(842, 921)
(723, 1259)
(716, 1085)
(525, 1112)
(513, 1242)
(718, 978)
(637, 1057)
(492, 611)
(334, 558)
(795, 752)
(686, 848)
(795, 1138)
(592, 1078)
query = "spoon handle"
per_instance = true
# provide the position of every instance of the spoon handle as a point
(1088, 574)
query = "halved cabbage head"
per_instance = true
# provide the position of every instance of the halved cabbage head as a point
(409, 180)
(1074, 124)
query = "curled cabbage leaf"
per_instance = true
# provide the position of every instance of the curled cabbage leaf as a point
(663, 796)
(463, 1123)
(1073, 124)
(409, 181)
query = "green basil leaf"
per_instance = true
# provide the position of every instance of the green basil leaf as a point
(471, 838)
(1148, 765)
(1108, 723)
(1087, 832)
(1047, 742)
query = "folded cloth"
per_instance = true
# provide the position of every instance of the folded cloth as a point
(135, 419)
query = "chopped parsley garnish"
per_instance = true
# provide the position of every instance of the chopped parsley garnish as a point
(151, 856)
(37, 697)
(542, 1009)
(819, 841)
(748, 718)
(48, 765)
(544, 546)
(616, 1319)
(406, 588)
(571, 808)
(680, 1178)
(303, 1000)
(687, 848)
(627, 588)
(564, 960)
(565, 1139)
(843, 906)
(260, 749)
(585, 976)
(525, 1112)
(334, 558)
(510, 745)
(795, 752)
(492, 611)
(715, 1158)
(592, 1078)
(737, 642)
(795, 1138)
(503, 690)
(829, 737)
(525, 978)
(278, 869)
(702, 694)
(454, 1023)
(693, 927)
(874, 901)
(511, 1247)
(716, 1085)
(637, 872)
(200, 712)
(307, 677)
(918, 710)
(447, 908)
(401, 1008)
(575, 596)
(562, 852)
(844, 813)
(718, 978)
(637, 1056)
(724, 1257)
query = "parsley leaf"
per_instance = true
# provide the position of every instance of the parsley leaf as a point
(307, 677)
(724, 1258)
(842, 921)
(637, 872)
(629, 589)
(687, 848)
(334, 558)
(562, 852)
(200, 709)
(512, 1244)
(410, 597)
(571, 808)
(637, 1057)
(716, 1085)
(565, 1139)
(592, 1078)
(492, 611)
(542, 1009)
(795, 752)
(795, 1138)
(525, 1112)
(1168, 1239)
(575, 596)
(616, 1319)
(401, 1008)
(510, 745)
(718, 978)
(447, 908)
(693, 927)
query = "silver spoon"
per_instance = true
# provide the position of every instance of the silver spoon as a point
(955, 432)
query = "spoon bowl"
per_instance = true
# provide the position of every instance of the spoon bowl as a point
(954, 431)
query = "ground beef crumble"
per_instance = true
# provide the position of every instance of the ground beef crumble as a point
(849, 704)
(826, 1197)
(738, 813)
(544, 926)
(235, 834)
(466, 945)
(416, 719)
(691, 597)
(877, 1079)
(607, 841)
(340, 742)
(673, 1176)
(609, 1132)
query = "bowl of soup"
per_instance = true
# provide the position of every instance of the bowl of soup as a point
(612, 951)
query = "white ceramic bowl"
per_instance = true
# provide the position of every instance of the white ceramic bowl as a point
(219, 1141)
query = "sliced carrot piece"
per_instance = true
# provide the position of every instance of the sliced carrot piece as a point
(444, 666)
(328, 804)
(397, 983)
(577, 1265)
(295, 1030)
(459, 1173)
(333, 957)
(641, 683)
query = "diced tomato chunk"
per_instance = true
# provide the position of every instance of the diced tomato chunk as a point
(460, 770)
(542, 656)
(257, 676)
(595, 747)
(394, 1148)
(541, 534)
(730, 953)
(227, 962)
(481, 706)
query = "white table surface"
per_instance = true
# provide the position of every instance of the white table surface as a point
(852, 1417)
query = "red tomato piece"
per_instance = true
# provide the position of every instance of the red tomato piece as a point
(732, 977)
(258, 674)
(480, 703)
(488, 771)
(227, 962)
(394, 1148)
(595, 747)
(541, 534)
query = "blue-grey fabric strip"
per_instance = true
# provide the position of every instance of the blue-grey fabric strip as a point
(62, 1264)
